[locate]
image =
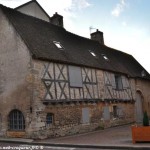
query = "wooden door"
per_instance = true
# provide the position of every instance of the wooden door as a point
(138, 108)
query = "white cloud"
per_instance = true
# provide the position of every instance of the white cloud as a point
(119, 8)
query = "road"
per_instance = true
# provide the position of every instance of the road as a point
(15, 146)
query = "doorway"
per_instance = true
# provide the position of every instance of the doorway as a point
(139, 108)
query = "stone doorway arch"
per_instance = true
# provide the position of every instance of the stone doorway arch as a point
(139, 107)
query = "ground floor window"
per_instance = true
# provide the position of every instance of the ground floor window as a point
(49, 118)
(16, 120)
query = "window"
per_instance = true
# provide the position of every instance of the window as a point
(143, 73)
(58, 45)
(105, 57)
(75, 76)
(49, 118)
(118, 81)
(16, 120)
(92, 53)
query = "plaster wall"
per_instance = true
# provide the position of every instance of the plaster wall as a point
(34, 10)
(15, 64)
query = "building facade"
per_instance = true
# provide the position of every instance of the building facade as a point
(55, 83)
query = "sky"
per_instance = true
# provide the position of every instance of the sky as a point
(125, 23)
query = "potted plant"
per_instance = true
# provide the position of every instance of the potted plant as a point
(141, 133)
(145, 119)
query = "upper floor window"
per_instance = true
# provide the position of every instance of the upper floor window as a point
(58, 45)
(75, 76)
(118, 82)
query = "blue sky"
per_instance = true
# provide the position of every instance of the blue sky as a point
(125, 23)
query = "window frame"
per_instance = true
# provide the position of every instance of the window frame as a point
(72, 71)
(16, 120)
(92, 53)
(48, 120)
(118, 82)
(105, 57)
(58, 45)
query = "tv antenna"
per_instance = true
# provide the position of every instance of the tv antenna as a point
(91, 28)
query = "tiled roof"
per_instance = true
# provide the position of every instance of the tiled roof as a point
(39, 36)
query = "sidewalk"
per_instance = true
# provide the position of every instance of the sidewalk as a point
(112, 138)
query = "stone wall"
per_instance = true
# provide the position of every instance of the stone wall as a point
(68, 119)
(143, 86)
(15, 65)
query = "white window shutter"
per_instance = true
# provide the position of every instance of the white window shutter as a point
(106, 113)
(85, 115)
(75, 76)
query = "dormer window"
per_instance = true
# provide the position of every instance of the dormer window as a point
(105, 57)
(143, 73)
(92, 53)
(58, 45)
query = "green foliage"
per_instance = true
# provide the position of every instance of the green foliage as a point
(145, 119)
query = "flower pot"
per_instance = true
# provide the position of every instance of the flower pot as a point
(140, 134)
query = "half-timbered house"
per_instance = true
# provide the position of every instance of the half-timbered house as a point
(55, 83)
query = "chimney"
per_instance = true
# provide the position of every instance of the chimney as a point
(57, 19)
(98, 36)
